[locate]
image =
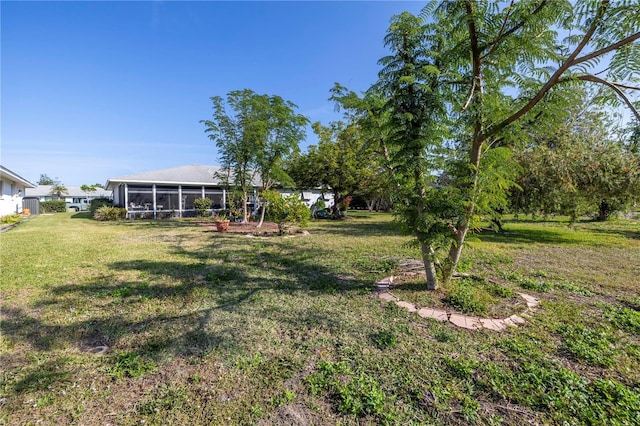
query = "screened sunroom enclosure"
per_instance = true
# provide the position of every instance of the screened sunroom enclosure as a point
(164, 200)
(170, 192)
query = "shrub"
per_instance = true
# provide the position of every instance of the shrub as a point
(53, 206)
(96, 203)
(105, 213)
(10, 218)
(202, 206)
(286, 211)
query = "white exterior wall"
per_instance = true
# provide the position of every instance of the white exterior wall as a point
(10, 197)
(310, 197)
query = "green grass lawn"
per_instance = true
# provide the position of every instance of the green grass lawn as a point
(208, 328)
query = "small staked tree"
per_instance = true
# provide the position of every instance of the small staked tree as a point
(284, 132)
(286, 211)
(253, 135)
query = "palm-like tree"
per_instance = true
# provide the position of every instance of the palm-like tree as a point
(58, 190)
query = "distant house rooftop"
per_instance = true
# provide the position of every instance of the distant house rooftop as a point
(43, 191)
(193, 174)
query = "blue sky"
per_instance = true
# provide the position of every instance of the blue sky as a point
(96, 90)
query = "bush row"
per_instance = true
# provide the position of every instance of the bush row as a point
(53, 206)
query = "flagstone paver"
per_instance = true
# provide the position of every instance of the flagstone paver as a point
(409, 306)
(459, 320)
(516, 319)
(464, 321)
(532, 302)
(510, 322)
(433, 313)
(493, 324)
(385, 295)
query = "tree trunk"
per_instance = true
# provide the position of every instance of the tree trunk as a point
(429, 266)
(603, 211)
(455, 251)
(245, 202)
(262, 208)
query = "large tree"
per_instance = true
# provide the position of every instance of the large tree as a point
(46, 180)
(254, 134)
(284, 132)
(583, 168)
(338, 163)
(469, 80)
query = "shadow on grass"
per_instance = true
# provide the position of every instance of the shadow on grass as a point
(526, 236)
(357, 227)
(201, 301)
(82, 215)
(584, 233)
(633, 235)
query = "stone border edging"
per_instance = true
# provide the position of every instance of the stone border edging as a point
(459, 320)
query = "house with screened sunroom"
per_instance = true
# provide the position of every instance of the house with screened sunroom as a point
(172, 192)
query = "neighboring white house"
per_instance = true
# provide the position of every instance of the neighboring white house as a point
(311, 196)
(74, 194)
(12, 189)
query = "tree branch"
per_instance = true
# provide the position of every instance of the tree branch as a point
(613, 86)
(605, 50)
(553, 80)
(477, 81)
(502, 36)
(471, 90)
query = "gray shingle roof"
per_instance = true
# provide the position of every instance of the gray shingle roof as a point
(193, 174)
(72, 191)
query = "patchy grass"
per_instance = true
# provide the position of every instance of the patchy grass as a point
(209, 328)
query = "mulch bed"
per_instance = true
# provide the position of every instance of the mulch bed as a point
(245, 228)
